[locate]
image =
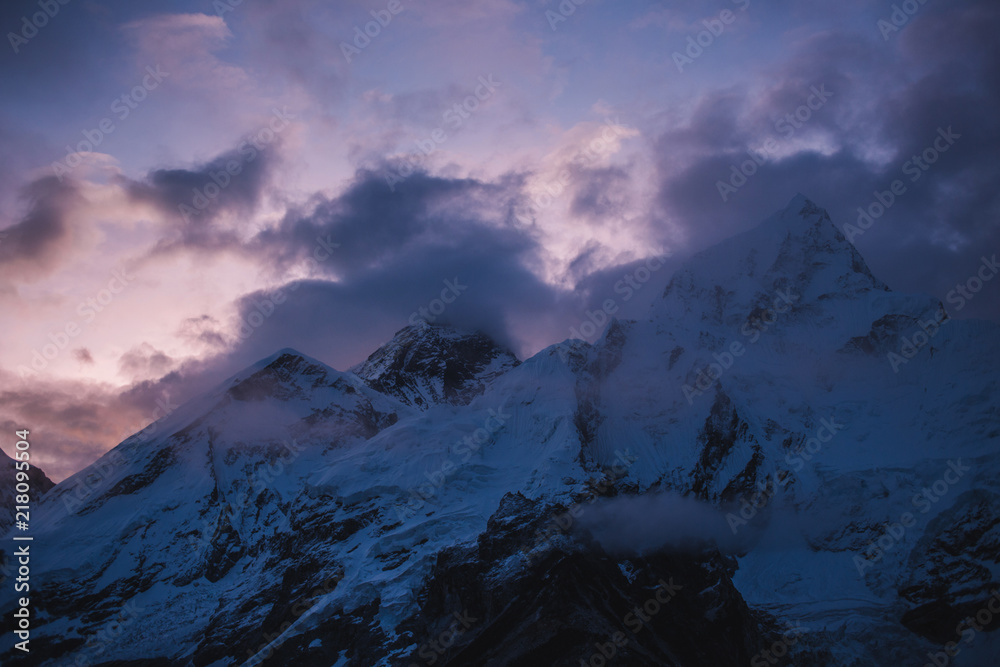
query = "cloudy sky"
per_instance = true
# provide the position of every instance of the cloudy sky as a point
(186, 187)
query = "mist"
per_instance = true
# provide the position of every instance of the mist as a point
(636, 525)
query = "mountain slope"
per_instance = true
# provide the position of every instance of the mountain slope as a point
(301, 515)
(773, 391)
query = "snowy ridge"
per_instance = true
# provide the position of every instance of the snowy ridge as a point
(764, 366)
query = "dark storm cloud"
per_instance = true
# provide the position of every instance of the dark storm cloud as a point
(891, 100)
(693, 159)
(379, 255)
(344, 322)
(391, 254)
(631, 287)
(693, 196)
(375, 224)
(398, 251)
(960, 90)
(34, 245)
(193, 199)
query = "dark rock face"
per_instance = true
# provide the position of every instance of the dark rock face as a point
(723, 430)
(571, 602)
(951, 569)
(886, 333)
(161, 461)
(37, 482)
(425, 364)
(284, 378)
(510, 600)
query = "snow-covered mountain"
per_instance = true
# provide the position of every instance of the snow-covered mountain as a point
(425, 364)
(427, 508)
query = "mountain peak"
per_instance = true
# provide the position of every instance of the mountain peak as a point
(810, 237)
(798, 249)
(278, 374)
(801, 216)
(800, 201)
(426, 363)
(285, 355)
